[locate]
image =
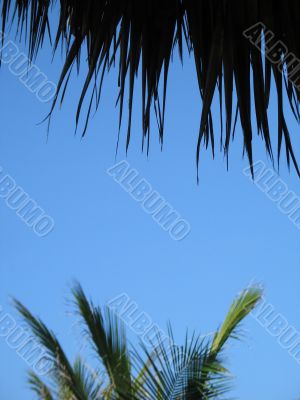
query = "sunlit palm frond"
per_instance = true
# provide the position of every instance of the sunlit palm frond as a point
(240, 308)
(245, 302)
(194, 370)
(141, 36)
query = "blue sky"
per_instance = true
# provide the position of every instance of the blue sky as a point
(104, 239)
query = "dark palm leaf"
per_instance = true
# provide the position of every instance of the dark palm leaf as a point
(144, 33)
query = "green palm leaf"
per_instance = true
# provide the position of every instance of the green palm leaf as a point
(107, 336)
(62, 369)
(240, 308)
(42, 391)
(193, 371)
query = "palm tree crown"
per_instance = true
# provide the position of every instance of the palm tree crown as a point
(166, 372)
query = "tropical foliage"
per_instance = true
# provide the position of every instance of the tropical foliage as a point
(191, 371)
(142, 35)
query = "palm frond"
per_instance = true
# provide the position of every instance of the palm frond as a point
(89, 380)
(107, 336)
(192, 371)
(42, 391)
(176, 372)
(62, 369)
(142, 35)
(240, 308)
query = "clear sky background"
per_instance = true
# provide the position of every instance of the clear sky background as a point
(103, 238)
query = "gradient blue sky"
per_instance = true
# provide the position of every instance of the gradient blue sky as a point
(103, 238)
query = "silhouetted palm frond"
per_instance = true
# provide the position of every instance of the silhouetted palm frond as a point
(143, 34)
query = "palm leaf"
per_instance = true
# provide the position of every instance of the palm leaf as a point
(62, 369)
(240, 308)
(39, 387)
(143, 35)
(90, 383)
(176, 372)
(107, 336)
(193, 371)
